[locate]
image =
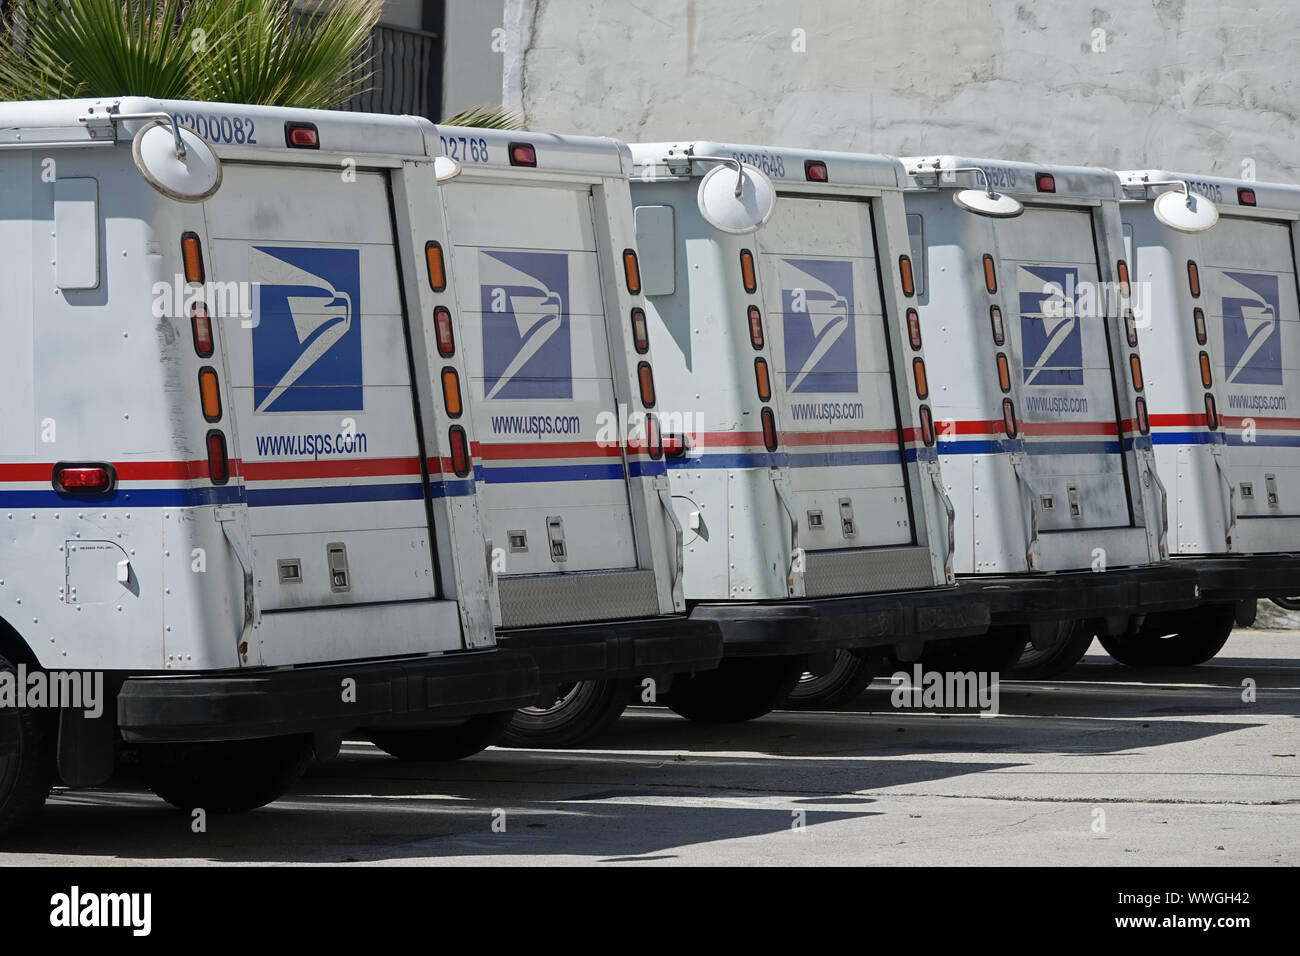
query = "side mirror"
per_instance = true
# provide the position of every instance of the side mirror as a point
(736, 198)
(445, 169)
(1183, 209)
(176, 161)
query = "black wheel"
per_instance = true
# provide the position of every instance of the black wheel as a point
(994, 652)
(1073, 643)
(1199, 635)
(1287, 603)
(226, 776)
(1246, 612)
(582, 710)
(833, 683)
(739, 689)
(452, 742)
(27, 771)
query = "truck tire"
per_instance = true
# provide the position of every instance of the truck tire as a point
(1287, 603)
(1057, 659)
(27, 770)
(581, 711)
(739, 689)
(828, 687)
(1200, 636)
(225, 776)
(470, 736)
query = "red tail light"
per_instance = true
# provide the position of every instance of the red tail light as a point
(1130, 329)
(914, 328)
(301, 136)
(1211, 412)
(769, 430)
(1009, 424)
(927, 425)
(83, 479)
(460, 463)
(522, 154)
(1144, 424)
(653, 437)
(675, 446)
(640, 331)
(1198, 318)
(1246, 197)
(218, 463)
(755, 327)
(814, 171)
(999, 332)
(201, 324)
(1046, 182)
(443, 331)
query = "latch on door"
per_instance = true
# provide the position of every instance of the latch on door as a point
(336, 555)
(847, 524)
(555, 532)
(1270, 485)
(1076, 506)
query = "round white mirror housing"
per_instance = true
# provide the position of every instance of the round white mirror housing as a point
(191, 177)
(736, 202)
(1185, 211)
(985, 203)
(445, 169)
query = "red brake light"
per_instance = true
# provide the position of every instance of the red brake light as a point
(301, 136)
(1009, 418)
(1211, 412)
(201, 324)
(914, 328)
(927, 425)
(459, 451)
(522, 154)
(769, 430)
(218, 463)
(1046, 182)
(755, 327)
(1246, 197)
(675, 446)
(443, 331)
(1198, 318)
(640, 331)
(82, 479)
(653, 438)
(815, 171)
(999, 332)
(1130, 328)
(1144, 423)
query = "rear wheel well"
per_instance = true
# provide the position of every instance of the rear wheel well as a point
(14, 647)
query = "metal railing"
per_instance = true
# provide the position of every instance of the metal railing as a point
(406, 73)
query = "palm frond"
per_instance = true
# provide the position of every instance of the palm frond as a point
(485, 117)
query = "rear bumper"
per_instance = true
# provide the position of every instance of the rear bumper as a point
(827, 624)
(660, 645)
(267, 703)
(1241, 577)
(1017, 599)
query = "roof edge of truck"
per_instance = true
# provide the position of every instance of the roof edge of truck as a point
(842, 168)
(1268, 195)
(63, 123)
(1088, 181)
(554, 152)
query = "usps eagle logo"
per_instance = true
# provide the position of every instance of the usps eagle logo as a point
(821, 352)
(1252, 332)
(527, 341)
(1050, 334)
(306, 329)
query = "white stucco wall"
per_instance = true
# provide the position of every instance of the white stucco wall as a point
(1208, 85)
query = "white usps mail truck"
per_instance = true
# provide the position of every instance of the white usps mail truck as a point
(564, 397)
(231, 490)
(798, 428)
(1040, 401)
(1223, 382)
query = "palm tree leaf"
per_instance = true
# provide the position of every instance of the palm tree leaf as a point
(485, 117)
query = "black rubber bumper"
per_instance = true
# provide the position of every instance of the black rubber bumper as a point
(664, 645)
(1017, 599)
(1241, 577)
(266, 703)
(827, 624)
